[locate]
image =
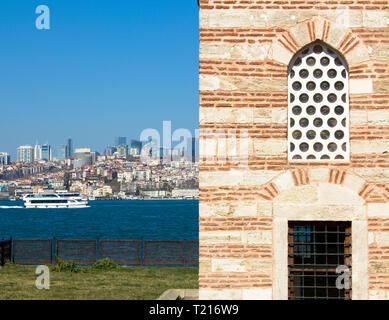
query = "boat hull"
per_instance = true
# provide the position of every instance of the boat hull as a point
(78, 205)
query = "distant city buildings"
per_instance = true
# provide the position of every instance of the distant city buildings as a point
(25, 154)
(69, 153)
(120, 141)
(37, 152)
(109, 151)
(46, 152)
(5, 158)
(82, 157)
(62, 152)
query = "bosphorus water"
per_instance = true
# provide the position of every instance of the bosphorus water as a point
(123, 219)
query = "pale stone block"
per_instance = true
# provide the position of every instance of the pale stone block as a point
(379, 210)
(373, 175)
(358, 117)
(378, 295)
(279, 115)
(305, 194)
(263, 265)
(257, 294)
(300, 33)
(265, 208)
(228, 51)
(205, 266)
(235, 178)
(378, 267)
(207, 147)
(228, 265)
(258, 237)
(380, 52)
(375, 19)
(381, 86)
(318, 212)
(357, 55)
(209, 210)
(246, 210)
(382, 238)
(220, 294)
(263, 115)
(270, 147)
(209, 83)
(319, 175)
(284, 181)
(226, 115)
(336, 34)
(366, 147)
(354, 182)
(358, 86)
(370, 238)
(330, 194)
(280, 247)
(214, 237)
(359, 259)
(280, 54)
(378, 118)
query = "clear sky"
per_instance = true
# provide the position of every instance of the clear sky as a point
(104, 69)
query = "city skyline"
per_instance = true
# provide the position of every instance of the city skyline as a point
(87, 78)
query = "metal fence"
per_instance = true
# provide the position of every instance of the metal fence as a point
(87, 251)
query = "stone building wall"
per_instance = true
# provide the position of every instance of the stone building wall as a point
(247, 197)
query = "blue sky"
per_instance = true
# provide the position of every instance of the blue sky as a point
(104, 69)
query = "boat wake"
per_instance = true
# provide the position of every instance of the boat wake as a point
(11, 207)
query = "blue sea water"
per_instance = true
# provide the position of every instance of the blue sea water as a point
(120, 219)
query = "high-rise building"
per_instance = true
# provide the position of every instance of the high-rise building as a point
(46, 152)
(135, 147)
(37, 152)
(109, 151)
(69, 148)
(82, 157)
(191, 149)
(120, 141)
(25, 154)
(122, 150)
(5, 158)
(62, 152)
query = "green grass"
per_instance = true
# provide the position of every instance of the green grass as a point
(133, 283)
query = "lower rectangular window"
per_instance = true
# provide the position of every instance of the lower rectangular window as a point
(316, 251)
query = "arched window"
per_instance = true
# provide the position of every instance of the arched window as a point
(318, 107)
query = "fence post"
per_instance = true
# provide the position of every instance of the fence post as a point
(141, 252)
(185, 247)
(55, 249)
(97, 249)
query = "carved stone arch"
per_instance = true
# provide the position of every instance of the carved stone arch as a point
(336, 35)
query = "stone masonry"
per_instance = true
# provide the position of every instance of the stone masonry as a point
(247, 199)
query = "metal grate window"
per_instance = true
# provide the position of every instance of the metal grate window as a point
(315, 251)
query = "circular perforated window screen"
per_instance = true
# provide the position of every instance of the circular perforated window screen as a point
(318, 110)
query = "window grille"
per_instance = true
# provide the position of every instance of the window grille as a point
(315, 251)
(318, 107)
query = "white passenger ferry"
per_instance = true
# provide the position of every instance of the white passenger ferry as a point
(49, 201)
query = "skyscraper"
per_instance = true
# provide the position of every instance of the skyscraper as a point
(69, 148)
(46, 152)
(135, 147)
(37, 152)
(25, 154)
(120, 141)
(62, 152)
(5, 158)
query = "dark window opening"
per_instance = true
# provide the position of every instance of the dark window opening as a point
(315, 251)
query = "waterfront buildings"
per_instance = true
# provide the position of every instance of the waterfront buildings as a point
(5, 158)
(120, 141)
(25, 154)
(46, 152)
(69, 150)
(62, 152)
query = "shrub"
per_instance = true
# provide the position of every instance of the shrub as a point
(105, 264)
(66, 266)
